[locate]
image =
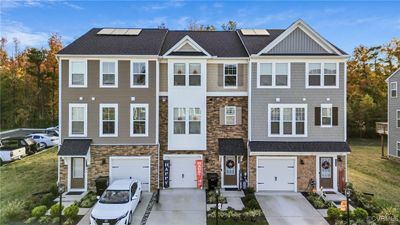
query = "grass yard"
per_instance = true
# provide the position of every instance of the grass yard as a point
(369, 173)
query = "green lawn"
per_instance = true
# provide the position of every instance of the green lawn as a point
(32, 174)
(369, 173)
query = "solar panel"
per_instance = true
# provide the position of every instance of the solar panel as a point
(119, 31)
(254, 32)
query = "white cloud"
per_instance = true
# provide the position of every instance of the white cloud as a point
(9, 4)
(164, 5)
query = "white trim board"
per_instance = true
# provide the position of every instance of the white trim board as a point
(183, 41)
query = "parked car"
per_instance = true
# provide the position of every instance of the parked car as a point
(44, 139)
(31, 146)
(52, 132)
(11, 151)
(53, 128)
(118, 203)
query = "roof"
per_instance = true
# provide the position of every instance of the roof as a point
(216, 43)
(254, 44)
(397, 72)
(147, 43)
(271, 146)
(231, 146)
(75, 147)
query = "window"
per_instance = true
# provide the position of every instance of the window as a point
(139, 76)
(77, 120)
(230, 115)
(139, 119)
(179, 121)
(393, 89)
(273, 75)
(398, 148)
(179, 74)
(194, 120)
(398, 118)
(287, 120)
(108, 74)
(322, 75)
(77, 76)
(230, 75)
(326, 115)
(108, 120)
(194, 74)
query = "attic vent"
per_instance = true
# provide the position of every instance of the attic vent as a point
(119, 31)
(254, 32)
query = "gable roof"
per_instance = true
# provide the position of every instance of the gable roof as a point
(254, 44)
(194, 48)
(397, 72)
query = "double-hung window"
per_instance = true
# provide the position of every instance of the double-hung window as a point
(194, 74)
(230, 76)
(78, 74)
(77, 120)
(230, 115)
(287, 120)
(322, 75)
(139, 121)
(398, 118)
(326, 115)
(194, 120)
(187, 120)
(139, 74)
(108, 120)
(398, 148)
(179, 74)
(108, 74)
(179, 121)
(393, 89)
(273, 75)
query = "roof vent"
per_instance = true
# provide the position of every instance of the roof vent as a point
(254, 32)
(119, 31)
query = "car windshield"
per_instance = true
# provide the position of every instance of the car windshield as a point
(115, 197)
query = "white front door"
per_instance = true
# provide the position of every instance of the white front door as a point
(183, 170)
(276, 174)
(137, 168)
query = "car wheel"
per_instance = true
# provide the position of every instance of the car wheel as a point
(43, 144)
(130, 218)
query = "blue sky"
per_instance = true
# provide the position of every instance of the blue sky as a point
(346, 24)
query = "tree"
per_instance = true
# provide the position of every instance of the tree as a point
(230, 26)
(194, 26)
(162, 26)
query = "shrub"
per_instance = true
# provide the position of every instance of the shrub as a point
(334, 214)
(14, 210)
(89, 200)
(359, 214)
(71, 212)
(388, 216)
(54, 190)
(30, 220)
(69, 221)
(252, 214)
(44, 220)
(55, 210)
(47, 200)
(39, 211)
(249, 191)
(252, 204)
(316, 201)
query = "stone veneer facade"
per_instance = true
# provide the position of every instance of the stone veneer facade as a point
(211, 162)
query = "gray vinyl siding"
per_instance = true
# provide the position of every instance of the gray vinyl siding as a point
(296, 43)
(121, 96)
(260, 98)
(163, 77)
(393, 106)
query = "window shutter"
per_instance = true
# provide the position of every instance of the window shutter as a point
(222, 116)
(335, 116)
(240, 76)
(220, 75)
(317, 116)
(238, 115)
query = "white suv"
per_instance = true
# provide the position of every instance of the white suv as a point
(117, 204)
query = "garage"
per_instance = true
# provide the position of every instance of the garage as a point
(182, 170)
(137, 168)
(276, 174)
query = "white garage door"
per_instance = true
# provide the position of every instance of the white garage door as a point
(182, 170)
(137, 168)
(276, 174)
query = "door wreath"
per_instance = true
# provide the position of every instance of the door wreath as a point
(230, 164)
(325, 165)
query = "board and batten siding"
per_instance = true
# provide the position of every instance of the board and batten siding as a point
(215, 76)
(121, 96)
(261, 97)
(393, 106)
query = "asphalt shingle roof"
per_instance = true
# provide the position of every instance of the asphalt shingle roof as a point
(231, 146)
(272, 146)
(254, 44)
(75, 147)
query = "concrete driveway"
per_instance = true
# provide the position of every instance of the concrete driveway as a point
(281, 208)
(179, 207)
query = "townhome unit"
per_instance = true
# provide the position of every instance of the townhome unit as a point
(394, 115)
(169, 107)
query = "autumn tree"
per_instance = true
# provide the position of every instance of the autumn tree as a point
(229, 26)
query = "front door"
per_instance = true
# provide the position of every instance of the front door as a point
(77, 173)
(326, 172)
(230, 171)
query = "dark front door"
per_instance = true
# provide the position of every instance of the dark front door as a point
(326, 172)
(77, 173)
(230, 171)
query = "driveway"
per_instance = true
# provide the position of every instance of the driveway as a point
(281, 208)
(179, 207)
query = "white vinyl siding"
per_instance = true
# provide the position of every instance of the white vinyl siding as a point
(77, 120)
(139, 120)
(393, 89)
(326, 115)
(139, 74)
(273, 75)
(287, 120)
(108, 117)
(109, 74)
(230, 75)
(322, 75)
(78, 73)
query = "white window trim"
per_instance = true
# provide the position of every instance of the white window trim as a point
(101, 106)
(327, 106)
(273, 75)
(101, 73)
(187, 121)
(85, 83)
(396, 89)
(237, 76)
(70, 106)
(322, 78)
(397, 148)
(397, 118)
(293, 106)
(225, 114)
(146, 134)
(146, 62)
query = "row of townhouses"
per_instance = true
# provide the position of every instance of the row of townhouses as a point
(169, 107)
(394, 115)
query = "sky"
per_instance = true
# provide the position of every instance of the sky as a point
(347, 24)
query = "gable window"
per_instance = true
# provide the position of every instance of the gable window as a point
(179, 121)
(108, 120)
(78, 74)
(194, 74)
(393, 89)
(194, 120)
(179, 74)
(326, 115)
(322, 75)
(139, 119)
(77, 120)
(139, 76)
(398, 118)
(230, 75)
(230, 115)
(273, 75)
(287, 120)
(108, 74)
